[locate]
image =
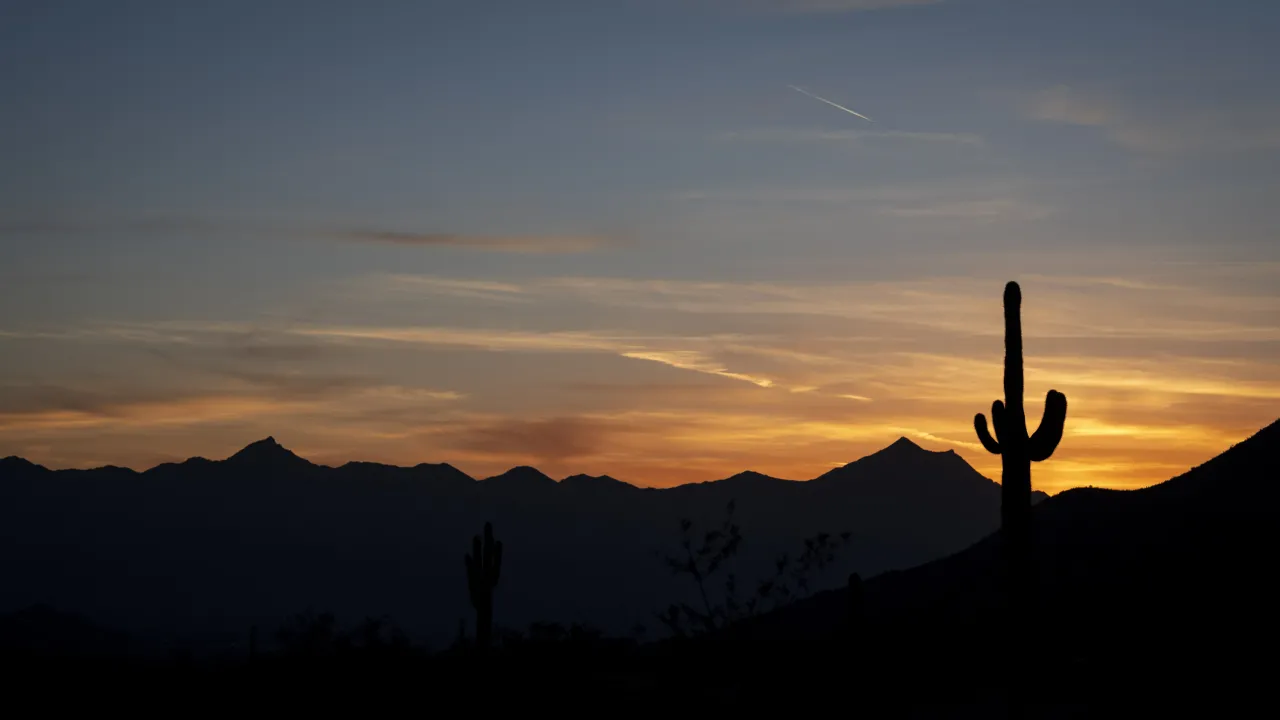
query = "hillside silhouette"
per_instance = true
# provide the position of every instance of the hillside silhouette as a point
(194, 553)
(1159, 599)
(1168, 587)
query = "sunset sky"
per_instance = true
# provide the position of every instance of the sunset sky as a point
(605, 236)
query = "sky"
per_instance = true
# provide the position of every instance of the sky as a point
(609, 237)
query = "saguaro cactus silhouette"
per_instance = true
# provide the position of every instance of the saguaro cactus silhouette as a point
(484, 562)
(1017, 451)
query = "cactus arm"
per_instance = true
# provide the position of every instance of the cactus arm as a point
(1000, 422)
(988, 442)
(1049, 434)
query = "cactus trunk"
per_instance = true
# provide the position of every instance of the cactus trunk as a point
(1017, 451)
(1015, 467)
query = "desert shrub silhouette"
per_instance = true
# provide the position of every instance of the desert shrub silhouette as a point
(484, 563)
(791, 581)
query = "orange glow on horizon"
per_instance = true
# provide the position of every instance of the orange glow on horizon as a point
(787, 380)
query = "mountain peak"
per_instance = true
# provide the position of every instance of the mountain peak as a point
(584, 478)
(903, 443)
(904, 456)
(266, 452)
(749, 476)
(522, 474)
(582, 481)
(15, 463)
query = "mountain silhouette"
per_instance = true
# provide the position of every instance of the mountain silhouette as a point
(1172, 581)
(201, 550)
(523, 476)
(265, 453)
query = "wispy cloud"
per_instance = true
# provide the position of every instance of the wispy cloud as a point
(1063, 104)
(996, 209)
(823, 6)
(13, 225)
(148, 414)
(694, 360)
(525, 244)
(782, 135)
(1153, 132)
(453, 287)
(68, 409)
(1170, 307)
(983, 202)
(664, 350)
(1175, 310)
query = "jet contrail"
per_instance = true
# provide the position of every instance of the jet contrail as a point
(834, 105)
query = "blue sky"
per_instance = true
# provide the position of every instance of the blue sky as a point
(509, 167)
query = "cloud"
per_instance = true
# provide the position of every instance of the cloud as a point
(850, 136)
(996, 209)
(653, 349)
(982, 202)
(824, 6)
(138, 224)
(400, 285)
(137, 415)
(1159, 306)
(1150, 131)
(523, 244)
(296, 385)
(550, 440)
(48, 408)
(694, 360)
(16, 400)
(1062, 104)
(961, 305)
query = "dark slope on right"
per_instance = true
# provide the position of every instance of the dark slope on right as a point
(1175, 580)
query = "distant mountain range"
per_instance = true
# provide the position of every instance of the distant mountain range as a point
(197, 552)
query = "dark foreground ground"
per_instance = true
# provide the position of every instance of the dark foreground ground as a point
(955, 674)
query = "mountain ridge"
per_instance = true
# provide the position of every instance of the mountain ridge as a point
(269, 451)
(208, 546)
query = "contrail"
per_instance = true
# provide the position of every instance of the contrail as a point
(834, 105)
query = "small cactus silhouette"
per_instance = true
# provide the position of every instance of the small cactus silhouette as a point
(484, 562)
(1017, 451)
